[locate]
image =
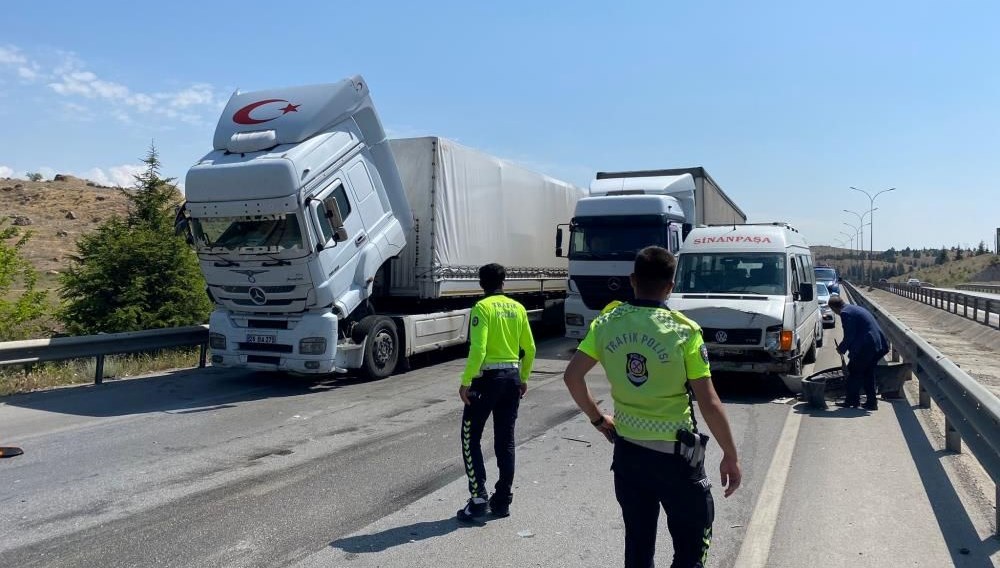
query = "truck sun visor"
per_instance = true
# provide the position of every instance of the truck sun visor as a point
(245, 142)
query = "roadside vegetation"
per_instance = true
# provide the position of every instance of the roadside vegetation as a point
(941, 267)
(127, 273)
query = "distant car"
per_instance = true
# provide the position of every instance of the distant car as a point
(913, 282)
(823, 298)
(883, 281)
(828, 275)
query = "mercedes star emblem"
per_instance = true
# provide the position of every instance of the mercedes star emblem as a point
(614, 284)
(258, 297)
(721, 336)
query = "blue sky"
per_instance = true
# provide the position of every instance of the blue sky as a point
(786, 104)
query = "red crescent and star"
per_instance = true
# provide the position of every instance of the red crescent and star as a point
(242, 116)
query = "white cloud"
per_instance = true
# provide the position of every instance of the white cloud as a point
(6, 172)
(11, 55)
(47, 172)
(70, 78)
(115, 175)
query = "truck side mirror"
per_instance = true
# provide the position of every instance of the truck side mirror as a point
(559, 242)
(806, 292)
(182, 224)
(339, 232)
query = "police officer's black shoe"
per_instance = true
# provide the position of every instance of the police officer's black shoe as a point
(500, 505)
(474, 510)
(846, 404)
(873, 405)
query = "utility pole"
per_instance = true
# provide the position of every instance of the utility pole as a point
(871, 209)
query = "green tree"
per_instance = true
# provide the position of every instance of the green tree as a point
(33, 176)
(19, 310)
(942, 256)
(135, 273)
(959, 253)
(981, 249)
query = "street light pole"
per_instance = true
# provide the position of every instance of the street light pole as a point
(861, 241)
(857, 233)
(871, 209)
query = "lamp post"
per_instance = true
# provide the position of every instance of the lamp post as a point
(850, 239)
(871, 208)
(861, 237)
(857, 239)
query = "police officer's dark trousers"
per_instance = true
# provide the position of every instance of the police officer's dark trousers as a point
(497, 392)
(645, 480)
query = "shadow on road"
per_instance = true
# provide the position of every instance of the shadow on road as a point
(183, 391)
(957, 528)
(214, 389)
(833, 411)
(747, 388)
(396, 536)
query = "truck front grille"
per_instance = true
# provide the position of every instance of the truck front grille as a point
(722, 336)
(599, 291)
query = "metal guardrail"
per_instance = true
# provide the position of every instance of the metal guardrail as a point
(98, 346)
(988, 288)
(954, 302)
(972, 413)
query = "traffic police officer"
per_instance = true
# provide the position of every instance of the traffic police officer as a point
(654, 358)
(494, 381)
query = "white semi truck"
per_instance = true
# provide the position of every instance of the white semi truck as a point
(625, 212)
(327, 247)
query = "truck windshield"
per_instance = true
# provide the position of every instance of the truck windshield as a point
(275, 233)
(731, 273)
(604, 242)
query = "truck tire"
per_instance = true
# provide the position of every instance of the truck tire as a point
(381, 346)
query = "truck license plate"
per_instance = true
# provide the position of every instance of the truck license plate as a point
(260, 339)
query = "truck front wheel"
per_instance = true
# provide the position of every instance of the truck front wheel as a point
(381, 346)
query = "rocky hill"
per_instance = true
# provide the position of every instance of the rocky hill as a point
(57, 212)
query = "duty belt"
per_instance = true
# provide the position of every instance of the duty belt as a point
(497, 366)
(662, 446)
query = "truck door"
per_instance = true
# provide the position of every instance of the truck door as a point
(337, 260)
(373, 211)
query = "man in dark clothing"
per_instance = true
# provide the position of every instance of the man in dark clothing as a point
(866, 344)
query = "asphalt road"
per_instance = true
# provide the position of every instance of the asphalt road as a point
(223, 468)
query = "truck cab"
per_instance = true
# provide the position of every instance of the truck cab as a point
(621, 216)
(751, 288)
(292, 214)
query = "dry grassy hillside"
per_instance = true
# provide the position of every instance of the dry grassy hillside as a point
(57, 212)
(981, 268)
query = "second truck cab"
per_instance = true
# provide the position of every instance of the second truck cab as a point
(621, 216)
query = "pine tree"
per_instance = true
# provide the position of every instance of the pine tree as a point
(135, 273)
(942, 256)
(19, 312)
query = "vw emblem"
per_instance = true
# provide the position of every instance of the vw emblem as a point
(721, 336)
(614, 284)
(257, 296)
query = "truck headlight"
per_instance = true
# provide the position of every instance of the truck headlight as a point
(574, 319)
(217, 341)
(312, 346)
